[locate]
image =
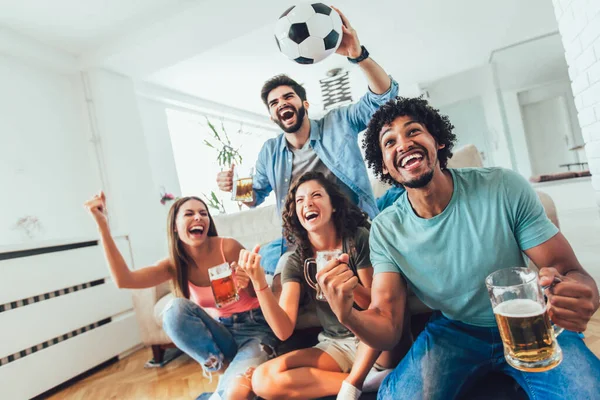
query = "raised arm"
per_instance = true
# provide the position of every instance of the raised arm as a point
(379, 81)
(382, 87)
(121, 274)
(281, 316)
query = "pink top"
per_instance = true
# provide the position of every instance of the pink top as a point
(203, 296)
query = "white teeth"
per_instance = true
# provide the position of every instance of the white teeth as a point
(197, 229)
(410, 157)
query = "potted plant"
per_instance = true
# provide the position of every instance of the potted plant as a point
(226, 155)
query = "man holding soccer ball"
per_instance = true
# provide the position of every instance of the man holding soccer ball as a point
(328, 145)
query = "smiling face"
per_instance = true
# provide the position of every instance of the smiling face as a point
(286, 109)
(313, 206)
(409, 152)
(192, 223)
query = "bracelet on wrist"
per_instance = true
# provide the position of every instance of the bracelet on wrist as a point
(364, 54)
(260, 290)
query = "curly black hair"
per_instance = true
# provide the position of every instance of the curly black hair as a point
(347, 217)
(281, 80)
(417, 108)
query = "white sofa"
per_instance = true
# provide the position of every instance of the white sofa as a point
(261, 225)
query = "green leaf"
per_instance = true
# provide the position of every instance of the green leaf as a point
(212, 128)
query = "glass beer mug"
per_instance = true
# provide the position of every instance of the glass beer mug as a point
(242, 183)
(322, 258)
(222, 284)
(519, 306)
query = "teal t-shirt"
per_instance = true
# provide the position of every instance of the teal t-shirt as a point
(494, 214)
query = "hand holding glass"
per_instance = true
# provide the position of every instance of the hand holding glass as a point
(321, 259)
(521, 313)
(222, 284)
(242, 183)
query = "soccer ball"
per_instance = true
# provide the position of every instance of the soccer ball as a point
(308, 33)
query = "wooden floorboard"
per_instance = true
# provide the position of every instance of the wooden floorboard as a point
(128, 379)
(182, 378)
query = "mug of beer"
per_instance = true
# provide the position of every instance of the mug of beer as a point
(322, 258)
(242, 183)
(222, 284)
(519, 306)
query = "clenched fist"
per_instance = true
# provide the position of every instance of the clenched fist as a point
(337, 281)
(571, 303)
(97, 207)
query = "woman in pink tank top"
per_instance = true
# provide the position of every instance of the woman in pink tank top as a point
(236, 332)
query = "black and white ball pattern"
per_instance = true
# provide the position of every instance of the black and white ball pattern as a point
(309, 32)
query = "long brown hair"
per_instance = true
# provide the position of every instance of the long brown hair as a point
(179, 258)
(347, 217)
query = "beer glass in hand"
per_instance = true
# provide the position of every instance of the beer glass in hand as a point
(222, 284)
(322, 258)
(520, 309)
(242, 184)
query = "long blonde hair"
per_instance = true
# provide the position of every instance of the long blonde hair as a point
(177, 254)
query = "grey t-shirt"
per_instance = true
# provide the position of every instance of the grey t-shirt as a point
(358, 250)
(305, 159)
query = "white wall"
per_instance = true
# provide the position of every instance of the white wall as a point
(45, 165)
(476, 83)
(133, 201)
(579, 26)
(513, 99)
(517, 132)
(554, 89)
(153, 115)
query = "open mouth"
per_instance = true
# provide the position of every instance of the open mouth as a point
(286, 113)
(311, 215)
(412, 160)
(197, 230)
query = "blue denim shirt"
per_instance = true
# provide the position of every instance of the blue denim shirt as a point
(335, 140)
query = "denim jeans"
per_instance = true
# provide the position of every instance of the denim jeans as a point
(448, 356)
(240, 338)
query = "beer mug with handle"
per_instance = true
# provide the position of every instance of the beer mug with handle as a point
(520, 309)
(242, 183)
(322, 258)
(223, 285)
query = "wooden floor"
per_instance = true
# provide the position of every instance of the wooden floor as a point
(128, 379)
(182, 378)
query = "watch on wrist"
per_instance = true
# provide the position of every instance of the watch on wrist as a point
(363, 56)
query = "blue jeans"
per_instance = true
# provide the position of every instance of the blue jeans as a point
(240, 338)
(448, 356)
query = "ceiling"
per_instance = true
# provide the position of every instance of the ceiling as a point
(77, 26)
(224, 50)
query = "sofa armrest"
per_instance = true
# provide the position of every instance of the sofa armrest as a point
(549, 207)
(144, 301)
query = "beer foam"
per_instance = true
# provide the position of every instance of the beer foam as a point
(222, 275)
(520, 308)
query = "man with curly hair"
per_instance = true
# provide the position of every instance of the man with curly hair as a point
(442, 238)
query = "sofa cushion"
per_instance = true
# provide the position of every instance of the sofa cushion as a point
(251, 226)
(159, 308)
